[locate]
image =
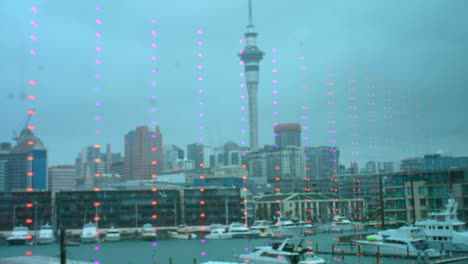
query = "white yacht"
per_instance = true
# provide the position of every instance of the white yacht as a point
(46, 235)
(340, 224)
(263, 227)
(218, 231)
(112, 235)
(183, 232)
(148, 232)
(443, 229)
(405, 241)
(290, 251)
(238, 230)
(90, 233)
(285, 227)
(19, 236)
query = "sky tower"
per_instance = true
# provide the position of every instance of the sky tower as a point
(251, 57)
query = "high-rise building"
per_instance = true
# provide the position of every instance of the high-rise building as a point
(288, 135)
(196, 152)
(172, 154)
(27, 163)
(62, 178)
(251, 57)
(371, 167)
(322, 162)
(143, 154)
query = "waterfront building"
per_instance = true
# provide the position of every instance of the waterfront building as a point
(143, 153)
(230, 147)
(18, 208)
(439, 162)
(386, 167)
(322, 162)
(62, 177)
(287, 135)
(311, 207)
(371, 167)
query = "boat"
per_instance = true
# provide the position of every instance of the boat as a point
(19, 236)
(340, 224)
(443, 229)
(183, 232)
(285, 227)
(263, 227)
(289, 251)
(148, 232)
(408, 241)
(46, 235)
(112, 235)
(89, 233)
(218, 231)
(238, 230)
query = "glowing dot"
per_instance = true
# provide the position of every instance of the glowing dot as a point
(200, 31)
(154, 70)
(242, 96)
(200, 55)
(98, 48)
(154, 58)
(33, 38)
(98, 62)
(31, 97)
(242, 74)
(98, 8)
(154, 45)
(96, 262)
(32, 82)
(31, 112)
(153, 32)
(98, 76)
(98, 89)
(242, 108)
(275, 81)
(275, 102)
(34, 9)
(153, 83)
(28, 253)
(31, 127)
(153, 21)
(274, 70)
(98, 35)
(241, 51)
(275, 113)
(200, 67)
(241, 63)
(200, 78)
(242, 85)
(200, 43)
(155, 244)
(32, 52)
(98, 117)
(203, 253)
(98, 21)
(274, 60)
(275, 91)
(241, 41)
(96, 248)
(200, 91)
(273, 49)
(33, 23)
(202, 115)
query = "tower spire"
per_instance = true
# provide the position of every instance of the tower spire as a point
(251, 57)
(250, 14)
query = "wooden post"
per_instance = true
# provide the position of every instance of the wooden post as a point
(63, 251)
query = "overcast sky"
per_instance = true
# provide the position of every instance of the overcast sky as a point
(412, 55)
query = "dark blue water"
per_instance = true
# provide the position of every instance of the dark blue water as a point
(180, 251)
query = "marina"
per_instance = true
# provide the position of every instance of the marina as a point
(332, 247)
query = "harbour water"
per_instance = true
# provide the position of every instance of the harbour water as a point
(185, 251)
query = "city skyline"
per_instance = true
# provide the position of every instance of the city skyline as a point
(415, 63)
